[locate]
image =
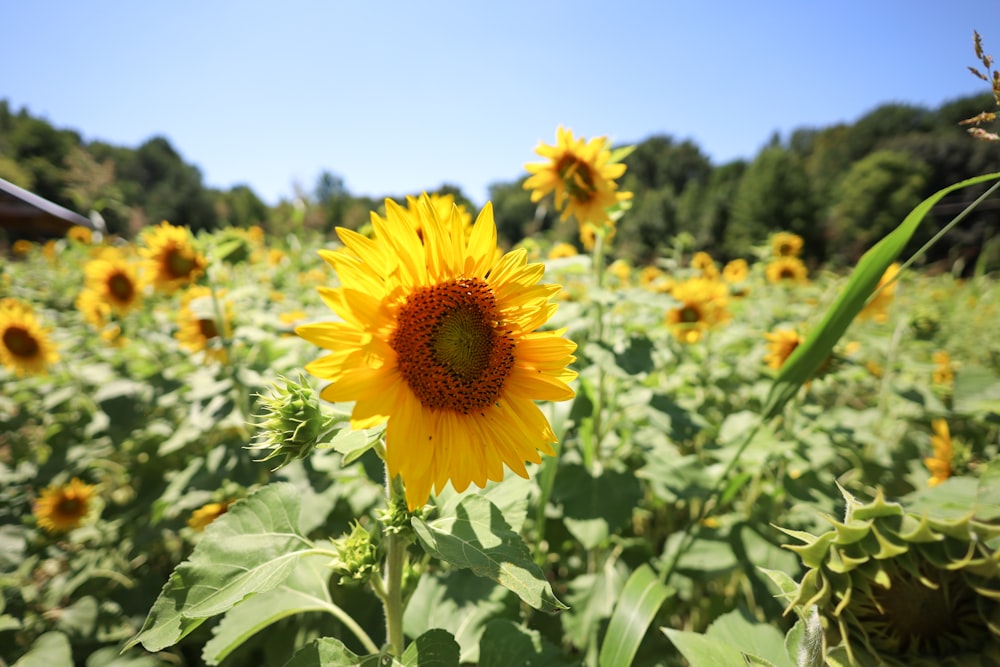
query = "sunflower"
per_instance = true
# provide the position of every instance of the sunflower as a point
(442, 207)
(622, 272)
(944, 370)
(206, 514)
(785, 270)
(878, 308)
(198, 326)
(703, 263)
(786, 244)
(22, 248)
(62, 508)
(24, 344)
(939, 465)
(735, 271)
(171, 259)
(654, 279)
(703, 305)
(581, 176)
(780, 345)
(80, 234)
(438, 338)
(560, 250)
(114, 280)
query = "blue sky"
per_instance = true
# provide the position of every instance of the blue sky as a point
(398, 97)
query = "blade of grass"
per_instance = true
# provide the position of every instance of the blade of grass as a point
(640, 600)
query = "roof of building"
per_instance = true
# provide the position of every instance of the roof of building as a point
(26, 213)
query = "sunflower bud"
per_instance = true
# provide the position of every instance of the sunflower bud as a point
(896, 588)
(925, 324)
(290, 422)
(358, 555)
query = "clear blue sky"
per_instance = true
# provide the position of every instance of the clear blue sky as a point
(398, 97)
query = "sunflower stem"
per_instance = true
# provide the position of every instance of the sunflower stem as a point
(392, 578)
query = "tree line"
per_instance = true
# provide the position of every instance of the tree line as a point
(839, 187)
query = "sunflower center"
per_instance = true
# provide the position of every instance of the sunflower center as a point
(20, 342)
(690, 315)
(121, 287)
(453, 352)
(70, 507)
(179, 263)
(208, 329)
(577, 177)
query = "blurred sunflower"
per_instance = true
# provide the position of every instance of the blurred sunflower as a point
(579, 174)
(171, 258)
(877, 309)
(786, 244)
(62, 508)
(939, 464)
(654, 279)
(24, 344)
(207, 513)
(113, 279)
(780, 345)
(198, 326)
(786, 270)
(735, 271)
(944, 371)
(22, 247)
(439, 339)
(560, 250)
(622, 272)
(80, 234)
(703, 305)
(703, 263)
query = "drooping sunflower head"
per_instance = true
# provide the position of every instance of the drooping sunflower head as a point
(580, 175)
(439, 338)
(171, 258)
(25, 347)
(702, 305)
(901, 589)
(114, 280)
(63, 507)
(786, 244)
(199, 326)
(784, 270)
(780, 345)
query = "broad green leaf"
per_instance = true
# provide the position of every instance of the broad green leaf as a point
(51, 648)
(479, 538)
(329, 652)
(760, 640)
(594, 508)
(640, 600)
(703, 651)
(505, 644)
(461, 603)
(509, 495)
(351, 444)
(976, 390)
(811, 354)
(306, 589)
(434, 648)
(250, 549)
(109, 657)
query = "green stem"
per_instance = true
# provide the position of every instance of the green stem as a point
(392, 578)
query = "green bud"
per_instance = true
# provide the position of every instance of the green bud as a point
(925, 324)
(290, 421)
(358, 555)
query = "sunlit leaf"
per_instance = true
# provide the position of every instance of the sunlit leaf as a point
(640, 600)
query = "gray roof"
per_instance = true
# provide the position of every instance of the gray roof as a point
(26, 213)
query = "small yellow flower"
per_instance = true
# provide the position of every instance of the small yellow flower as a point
(560, 250)
(786, 270)
(275, 256)
(22, 247)
(24, 344)
(939, 465)
(580, 176)
(206, 514)
(943, 369)
(621, 270)
(62, 508)
(654, 279)
(780, 345)
(703, 263)
(703, 305)
(171, 258)
(885, 292)
(199, 329)
(80, 234)
(786, 244)
(50, 249)
(736, 271)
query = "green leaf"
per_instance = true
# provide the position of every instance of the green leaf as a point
(703, 651)
(109, 657)
(976, 391)
(509, 495)
(640, 600)
(596, 507)
(51, 648)
(329, 652)
(592, 598)
(760, 640)
(306, 589)
(434, 648)
(250, 549)
(461, 603)
(811, 353)
(479, 538)
(351, 444)
(505, 644)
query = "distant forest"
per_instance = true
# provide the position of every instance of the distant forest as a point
(840, 187)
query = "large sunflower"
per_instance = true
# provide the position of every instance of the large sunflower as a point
(113, 279)
(171, 258)
(438, 339)
(63, 507)
(580, 175)
(24, 344)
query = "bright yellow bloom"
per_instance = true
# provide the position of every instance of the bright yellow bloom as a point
(80, 234)
(24, 344)
(944, 372)
(736, 271)
(62, 508)
(786, 244)
(579, 174)
(654, 279)
(785, 270)
(21, 247)
(703, 305)
(939, 465)
(256, 234)
(438, 338)
(589, 231)
(703, 263)
(885, 292)
(206, 514)
(114, 280)
(442, 207)
(171, 258)
(780, 345)
(560, 250)
(621, 270)
(94, 309)
(198, 326)
(275, 256)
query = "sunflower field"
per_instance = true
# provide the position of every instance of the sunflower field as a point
(406, 445)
